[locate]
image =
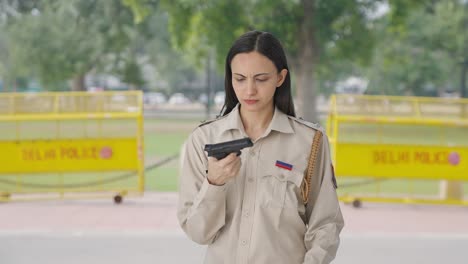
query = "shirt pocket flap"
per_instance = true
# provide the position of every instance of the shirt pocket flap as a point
(295, 175)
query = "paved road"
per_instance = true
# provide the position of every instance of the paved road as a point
(145, 230)
(173, 247)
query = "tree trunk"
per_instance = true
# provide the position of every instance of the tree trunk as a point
(308, 57)
(78, 83)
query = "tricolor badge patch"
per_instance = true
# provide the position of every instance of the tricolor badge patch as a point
(283, 165)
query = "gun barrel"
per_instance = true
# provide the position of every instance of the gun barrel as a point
(228, 147)
(234, 144)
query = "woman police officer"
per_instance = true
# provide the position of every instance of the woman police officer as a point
(253, 208)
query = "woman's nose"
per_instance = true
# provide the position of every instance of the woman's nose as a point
(251, 87)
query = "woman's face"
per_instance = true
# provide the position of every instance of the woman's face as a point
(255, 80)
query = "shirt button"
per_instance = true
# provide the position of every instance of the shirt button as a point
(281, 177)
(252, 153)
(246, 214)
(250, 179)
(244, 242)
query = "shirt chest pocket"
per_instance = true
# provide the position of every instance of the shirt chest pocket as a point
(280, 187)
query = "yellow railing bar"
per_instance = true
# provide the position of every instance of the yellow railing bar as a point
(132, 193)
(53, 117)
(57, 96)
(404, 200)
(70, 94)
(403, 120)
(405, 98)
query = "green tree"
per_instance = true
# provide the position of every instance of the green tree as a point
(316, 33)
(8, 72)
(170, 65)
(61, 40)
(422, 56)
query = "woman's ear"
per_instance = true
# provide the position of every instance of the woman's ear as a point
(281, 77)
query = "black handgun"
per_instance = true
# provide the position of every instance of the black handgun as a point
(221, 150)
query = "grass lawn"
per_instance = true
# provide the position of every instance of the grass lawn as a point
(164, 138)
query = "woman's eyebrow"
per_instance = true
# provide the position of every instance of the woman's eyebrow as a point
(256, 75)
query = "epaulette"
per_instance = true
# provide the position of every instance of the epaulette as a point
(315, 126)
(206, 122)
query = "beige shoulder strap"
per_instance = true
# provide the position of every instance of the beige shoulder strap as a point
(306, 182)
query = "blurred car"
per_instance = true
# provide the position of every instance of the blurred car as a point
(203, 98)
(178, 98)
(449, 94)
(219, 98)
(154, 98)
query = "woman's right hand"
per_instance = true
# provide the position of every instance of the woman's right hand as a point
(220, 171)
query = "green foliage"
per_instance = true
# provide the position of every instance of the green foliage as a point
(423, 58)
(55, 41)
(140, 9)
(132, 74)
(341, 27)
(415, 48)
(197, 27)
(171, 65)
(64, 39)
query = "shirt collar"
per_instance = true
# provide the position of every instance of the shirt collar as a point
(233, 120)
(279, 122)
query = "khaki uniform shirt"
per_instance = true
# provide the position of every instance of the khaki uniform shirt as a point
(259, 216)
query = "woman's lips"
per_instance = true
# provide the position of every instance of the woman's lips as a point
(250, 101)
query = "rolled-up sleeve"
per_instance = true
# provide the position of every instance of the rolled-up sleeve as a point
(325, 219)
(202, 207)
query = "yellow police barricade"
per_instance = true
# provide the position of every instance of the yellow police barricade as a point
(399, 149)
(71, 145)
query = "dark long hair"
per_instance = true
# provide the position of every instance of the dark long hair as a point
(270, 47)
